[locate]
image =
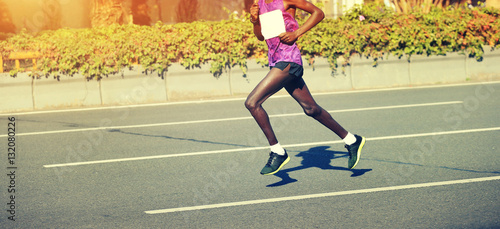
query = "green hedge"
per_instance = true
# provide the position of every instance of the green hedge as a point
(383, 32)
(98, 52)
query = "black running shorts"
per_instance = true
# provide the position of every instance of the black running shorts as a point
(295, 69)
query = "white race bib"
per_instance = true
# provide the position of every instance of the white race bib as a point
(272, 24)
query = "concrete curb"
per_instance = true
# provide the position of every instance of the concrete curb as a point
(133, 87)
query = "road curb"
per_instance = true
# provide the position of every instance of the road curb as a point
(178, 84)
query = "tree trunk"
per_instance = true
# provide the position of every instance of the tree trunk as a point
(140, 12)
(6, 24)
(187, 11)
(108, 12)
(158, 6)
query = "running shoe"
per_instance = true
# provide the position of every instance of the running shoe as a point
(275, 163)
(355, 151)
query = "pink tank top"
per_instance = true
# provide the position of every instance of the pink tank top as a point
(278, 51)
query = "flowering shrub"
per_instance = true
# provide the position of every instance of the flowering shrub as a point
(370, 31)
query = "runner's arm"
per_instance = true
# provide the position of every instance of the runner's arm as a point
(254, 18)
(317, 16)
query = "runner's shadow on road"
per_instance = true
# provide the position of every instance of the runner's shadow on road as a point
(316, 157)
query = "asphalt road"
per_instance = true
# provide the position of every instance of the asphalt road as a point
(431, 161)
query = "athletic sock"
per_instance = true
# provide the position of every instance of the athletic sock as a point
(349, 139)
(278, 149)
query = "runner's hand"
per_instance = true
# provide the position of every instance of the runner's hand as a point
(288, 37)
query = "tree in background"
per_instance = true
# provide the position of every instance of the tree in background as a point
(52, 14)
(108, 12)
(47, 17)
(218, 10)
(187, 11)
(140, 12)
(158, 7)
(6, 24)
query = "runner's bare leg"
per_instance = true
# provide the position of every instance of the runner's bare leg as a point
(274, 81)
(297, 88)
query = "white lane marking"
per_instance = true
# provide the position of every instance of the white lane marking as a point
(129, 126)
(228, 119)
(241, 99)
(125, 106)
(266, 147)
(378, 108)
(322, 195)
(155, 157)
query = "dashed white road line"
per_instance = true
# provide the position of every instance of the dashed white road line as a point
(228, 119)
(267, 147)
(322, 195)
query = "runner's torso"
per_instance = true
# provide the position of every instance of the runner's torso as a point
(279, 51)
